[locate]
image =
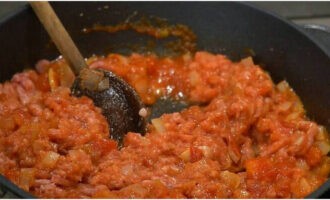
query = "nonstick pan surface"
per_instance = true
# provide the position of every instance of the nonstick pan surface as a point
(228, 28)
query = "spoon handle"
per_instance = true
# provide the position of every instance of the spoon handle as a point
(59, 35)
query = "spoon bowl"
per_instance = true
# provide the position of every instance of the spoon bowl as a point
(119, 103)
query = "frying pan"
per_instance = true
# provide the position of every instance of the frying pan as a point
(228, 28)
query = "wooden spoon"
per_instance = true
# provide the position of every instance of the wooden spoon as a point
(119, 102)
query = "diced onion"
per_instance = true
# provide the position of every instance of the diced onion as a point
(66, 76)
(26, 178)
(185, 155)
(135, 191)
(206, 151)
(300, 140)
(241, 194)
(50, 159)
(247, 61)
(194, 78)
(292, 116)
(304, 185)
(90, 60)
(127, 169)
(158, 124)
(284, 106)
(324, 147)
(299, 107)
(302, 164)
(324, 169)
(187, 57)
(234, 157)
(143, 112)
(52, 79)
(322, 134)
(232, 179)
(283, 86)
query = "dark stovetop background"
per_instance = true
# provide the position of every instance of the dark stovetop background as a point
(298, 12)
(301, 13)
(316, 13)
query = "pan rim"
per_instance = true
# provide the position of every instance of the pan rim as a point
(317, 193)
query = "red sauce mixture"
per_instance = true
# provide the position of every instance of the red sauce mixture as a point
(251, 138)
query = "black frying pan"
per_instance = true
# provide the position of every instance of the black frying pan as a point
(221, 27)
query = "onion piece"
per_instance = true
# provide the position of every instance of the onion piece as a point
(185, 155)
(26, 178)
(234, 155)
(322, 134)
(158, 124)
(49, 160)
(323, 146)
(293, 116)
(299, 107)
(231, 179)
(143, 112)
(52, 79)
(206, 151)
(283, 86)
(247, 62)
(194, 78)
(66, 76)
(91, 59)
(324, 168)
(299, 140)
(285, 106)
(302, 164)
(305, 186)
(187, 57)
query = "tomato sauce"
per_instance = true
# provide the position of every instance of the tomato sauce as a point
(244, 136)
